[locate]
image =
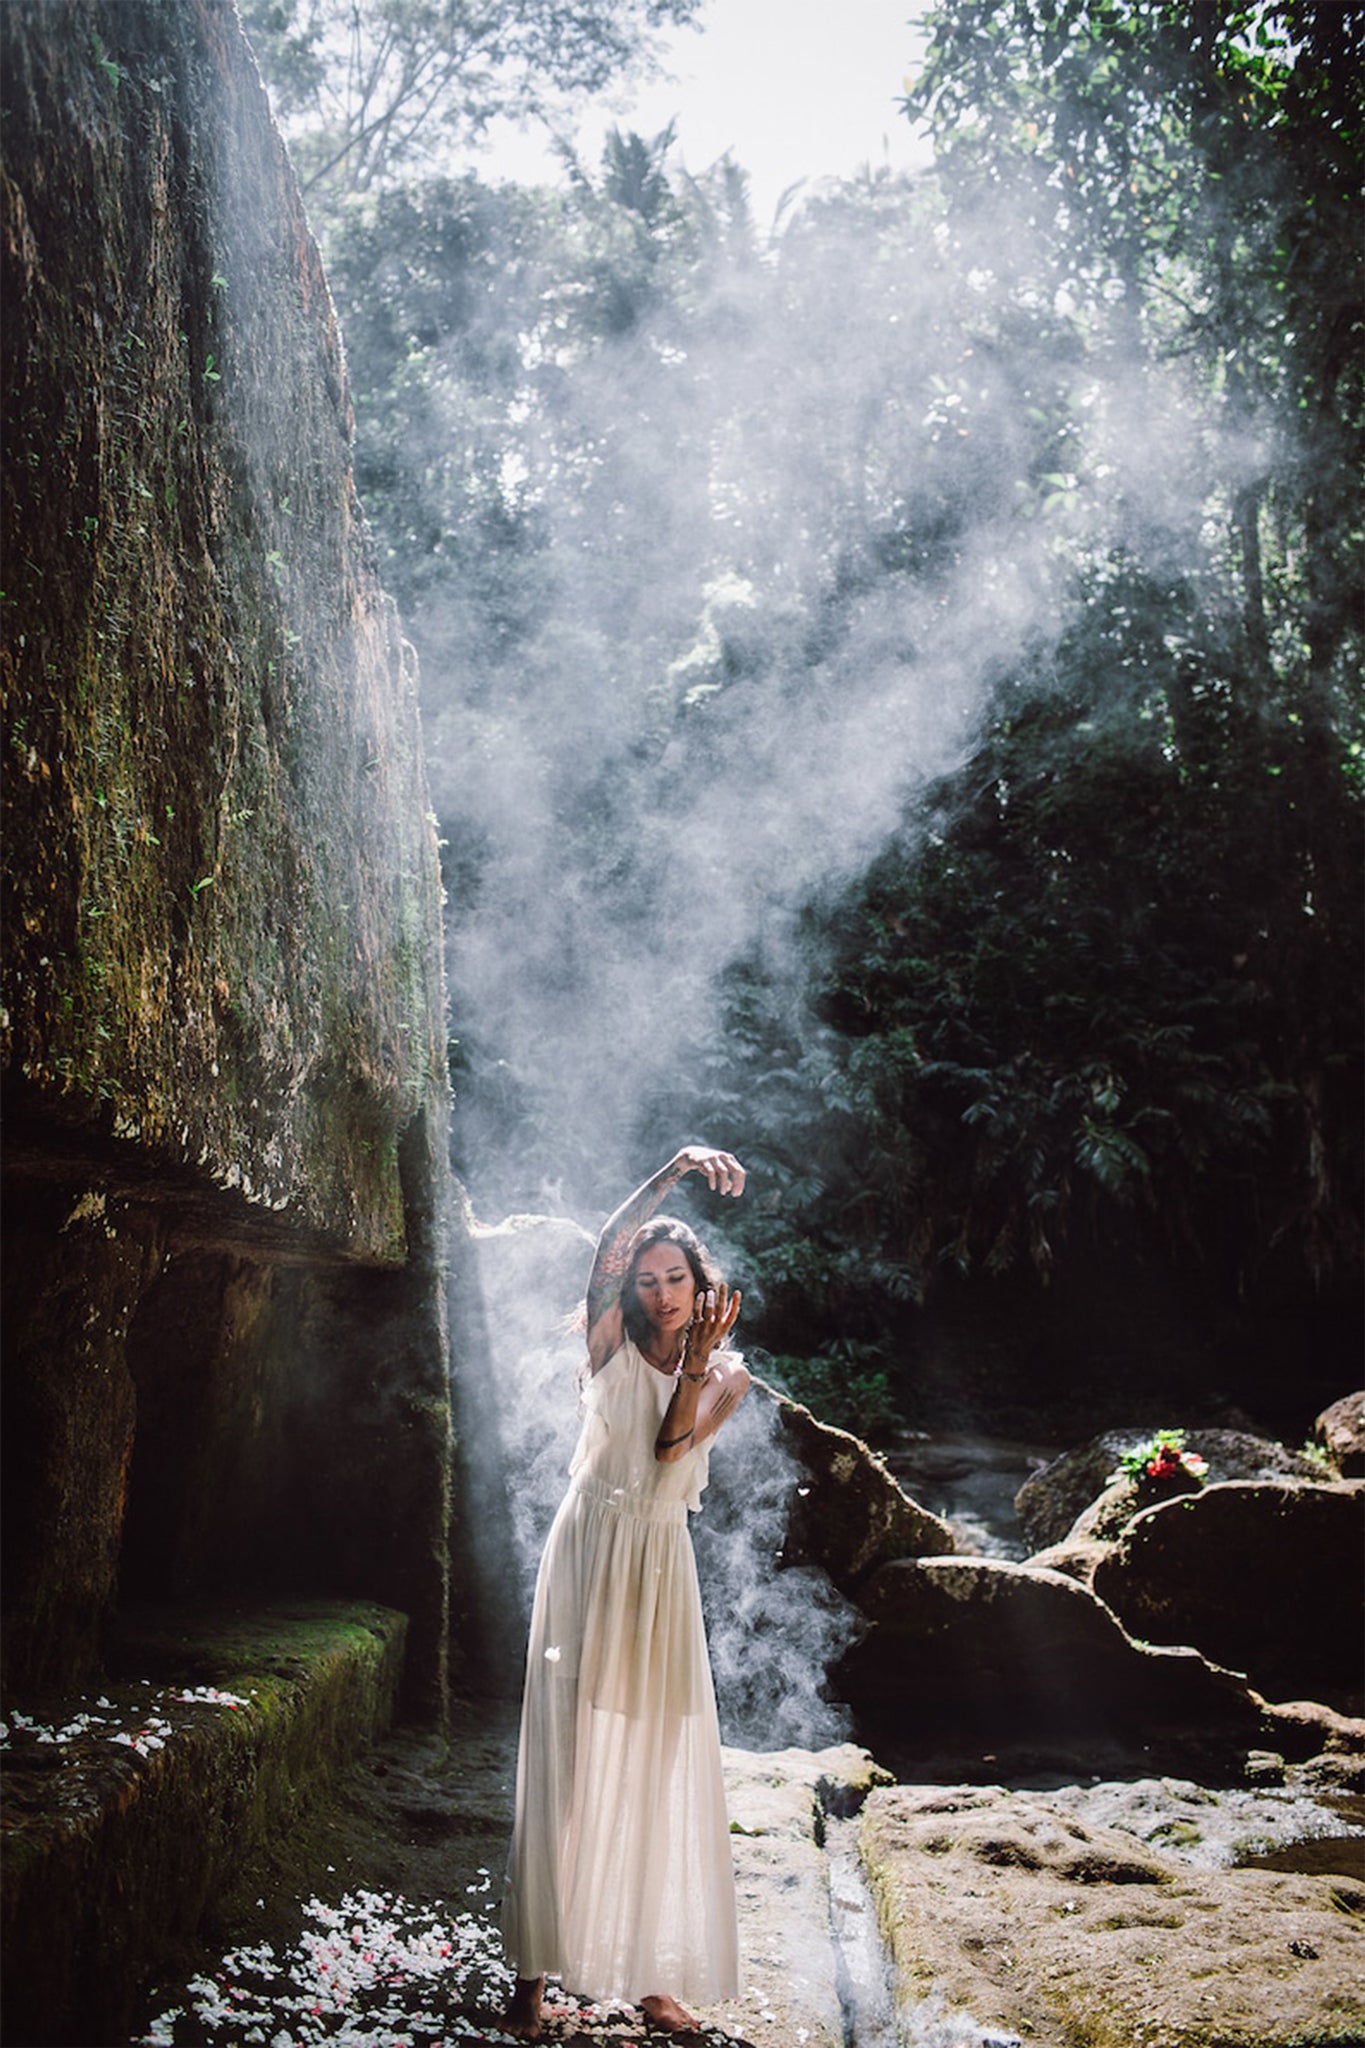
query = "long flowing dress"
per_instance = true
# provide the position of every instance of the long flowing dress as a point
(620, 1879)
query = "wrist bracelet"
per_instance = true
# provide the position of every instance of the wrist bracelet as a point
(694, 1375)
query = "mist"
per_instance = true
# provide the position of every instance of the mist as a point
(786, 536)
(773, 547)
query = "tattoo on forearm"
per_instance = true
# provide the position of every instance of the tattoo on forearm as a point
(669, 1443)
(613, 1249)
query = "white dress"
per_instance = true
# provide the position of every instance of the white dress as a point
(620, 1880)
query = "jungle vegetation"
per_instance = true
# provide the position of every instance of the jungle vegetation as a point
(1073, 1039)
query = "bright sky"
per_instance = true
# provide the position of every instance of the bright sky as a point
(792, 88)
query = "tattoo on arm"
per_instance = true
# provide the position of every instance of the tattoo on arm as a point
(613, 1246)
(668, 1443)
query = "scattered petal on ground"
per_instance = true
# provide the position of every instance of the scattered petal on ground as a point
(104, 1720)
(372, 1970)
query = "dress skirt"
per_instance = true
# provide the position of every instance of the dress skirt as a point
(621, 1880)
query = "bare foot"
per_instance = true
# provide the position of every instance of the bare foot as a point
(668, 2015)
(522, 2017)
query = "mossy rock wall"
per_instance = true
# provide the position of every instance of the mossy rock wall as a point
(224, 884)
(222, 1033)
(118, 1857)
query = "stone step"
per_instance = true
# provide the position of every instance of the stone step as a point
(1095, 1909)
(125, 1813)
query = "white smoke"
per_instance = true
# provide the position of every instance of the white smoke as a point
(790, 537)
(728, 700)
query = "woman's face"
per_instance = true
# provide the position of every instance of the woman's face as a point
(665, 1288)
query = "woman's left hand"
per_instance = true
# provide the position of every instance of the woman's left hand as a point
(705, 1392)
(714, 1313)
(724, 1174)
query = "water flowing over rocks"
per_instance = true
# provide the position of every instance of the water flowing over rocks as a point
(223, 1032)
(779, 1801)
(1028, 1916)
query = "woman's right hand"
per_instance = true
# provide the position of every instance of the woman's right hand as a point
(723, 1171)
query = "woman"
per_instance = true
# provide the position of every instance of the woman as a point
(620, 1879)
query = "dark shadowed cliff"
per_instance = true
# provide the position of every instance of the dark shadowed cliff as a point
(223, 1030)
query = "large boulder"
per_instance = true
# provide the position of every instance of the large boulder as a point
(1340, 1430)
(222, 972)
(992, 1653)
(1109, 1514)
(1050, 1503)
(1098, 1527)
(849, 1515)
(1267, 1579)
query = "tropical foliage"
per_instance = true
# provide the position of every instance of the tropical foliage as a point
(371, 90)
(1103, 994)
(992, 540)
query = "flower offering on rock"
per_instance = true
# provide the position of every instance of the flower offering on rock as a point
(1163, 1462)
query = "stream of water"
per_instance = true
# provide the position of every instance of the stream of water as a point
(864, 1968)
(971, 1482)
(863, 1965)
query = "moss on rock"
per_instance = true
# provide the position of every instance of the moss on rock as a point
(1041, 1923)
(114, 1854)
(222, 1031)
(854, 1517)
(223, 891)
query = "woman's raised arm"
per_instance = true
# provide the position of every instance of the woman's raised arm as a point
(726, 1177)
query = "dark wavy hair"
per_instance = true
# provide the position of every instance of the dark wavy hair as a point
(663, 1230)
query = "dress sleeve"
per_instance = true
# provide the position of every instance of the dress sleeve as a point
(697, 1464)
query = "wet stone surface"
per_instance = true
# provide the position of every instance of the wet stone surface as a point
(1015, 1914)
(378, 1926)
(971, 1481)
(1115, 1915)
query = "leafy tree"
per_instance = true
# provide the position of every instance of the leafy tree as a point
(1073, 425)
(1103, 996)
(1192, 179)
(372, 90)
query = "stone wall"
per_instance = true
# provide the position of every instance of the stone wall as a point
(223, 1035)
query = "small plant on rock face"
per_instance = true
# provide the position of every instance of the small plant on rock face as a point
(1161, 1459)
